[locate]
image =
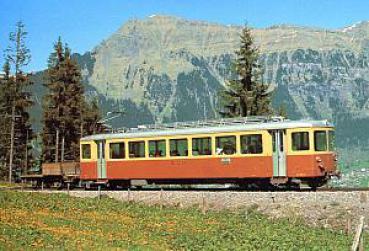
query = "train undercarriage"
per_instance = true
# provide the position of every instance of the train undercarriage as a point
(66, 175)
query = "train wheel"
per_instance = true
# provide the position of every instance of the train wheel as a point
(118, 185)
(113, 186)
(256, 185)
(87, 185)
(60, 185)
(126, 185)
(248, 186)
(315, 183)
(293, 186)
(265, 185)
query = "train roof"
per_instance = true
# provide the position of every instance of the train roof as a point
(222, 126)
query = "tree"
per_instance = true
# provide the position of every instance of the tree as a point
(5, 105)
(64, 107)
(91, 118)
(16, 102)
(247, 95)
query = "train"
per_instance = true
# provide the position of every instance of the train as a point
(249, 152)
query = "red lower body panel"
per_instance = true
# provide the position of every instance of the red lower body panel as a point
(300, 166)
(88, 170)
(256, 167)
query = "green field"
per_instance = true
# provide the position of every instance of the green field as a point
(57, 221)
(355, 174)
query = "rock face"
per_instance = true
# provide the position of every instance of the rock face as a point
(163, 69)
(172, 67)
(175, 67)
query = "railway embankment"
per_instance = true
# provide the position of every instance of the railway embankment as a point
(328, 209)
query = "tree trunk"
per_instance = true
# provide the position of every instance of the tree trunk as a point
(11, 144)
(57, 146)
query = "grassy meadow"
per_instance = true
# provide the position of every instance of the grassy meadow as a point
(57, 221)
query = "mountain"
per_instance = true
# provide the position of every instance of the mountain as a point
(174, 67)
(163, 68)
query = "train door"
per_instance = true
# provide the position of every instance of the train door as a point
(279, 153)
(101, 161)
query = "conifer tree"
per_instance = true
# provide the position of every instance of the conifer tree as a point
(247, 95)
(16, 102)
(5, 105)
(91, 118)
(65, 109)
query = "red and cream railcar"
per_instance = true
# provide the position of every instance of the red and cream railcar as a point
(243, 151)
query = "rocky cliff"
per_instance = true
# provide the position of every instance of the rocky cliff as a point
(174, 67)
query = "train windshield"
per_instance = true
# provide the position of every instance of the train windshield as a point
(320, 140)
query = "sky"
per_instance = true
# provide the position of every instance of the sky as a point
(83, 24)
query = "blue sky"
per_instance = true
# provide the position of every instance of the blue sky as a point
(85, 23)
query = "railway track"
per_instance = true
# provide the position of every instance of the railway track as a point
(199, 189)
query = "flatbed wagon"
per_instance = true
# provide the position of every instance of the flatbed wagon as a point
(55, 174)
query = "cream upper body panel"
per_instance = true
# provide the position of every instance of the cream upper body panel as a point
(266, 139)
(289, 127)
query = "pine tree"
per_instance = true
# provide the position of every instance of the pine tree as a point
(91, 118)
(5, 105)
(64, 107)
(16, 102)
(247, 95)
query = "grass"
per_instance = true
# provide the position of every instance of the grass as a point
(7, 184)
(354, 176)
(57, 221)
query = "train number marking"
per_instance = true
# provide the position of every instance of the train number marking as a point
(226, 161)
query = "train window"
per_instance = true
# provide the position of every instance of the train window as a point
(320, 139)
(86, 151)
(178, 147)
(300, 141)
(136, 149)
(226, 145)
(157, 148)
(251, 144)
(201, 146)
(117, 150)
(332, 140)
